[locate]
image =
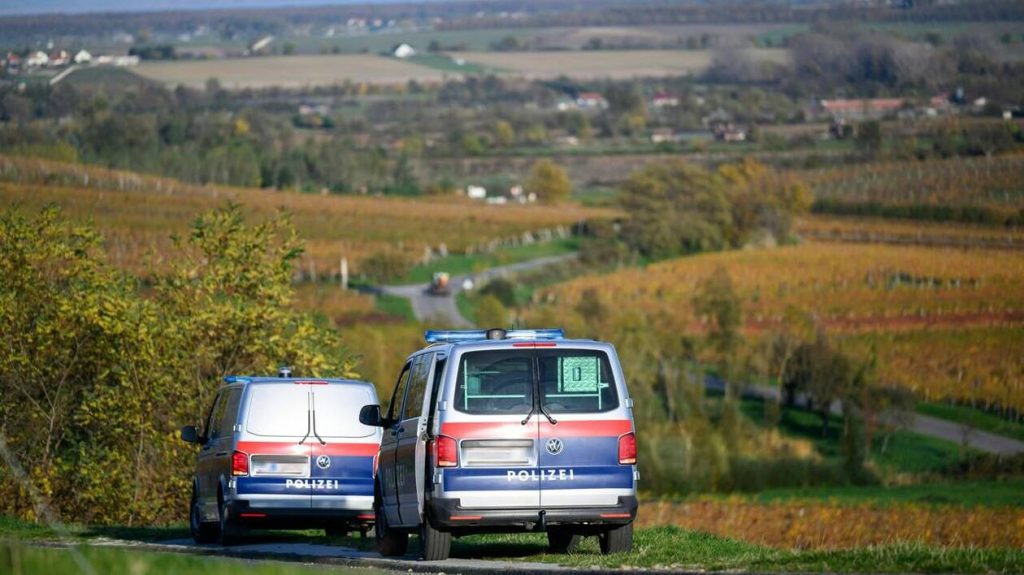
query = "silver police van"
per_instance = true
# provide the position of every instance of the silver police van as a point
(283, 452)
(504, 431)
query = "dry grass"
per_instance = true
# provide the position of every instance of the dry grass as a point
(608, 64)
(289, 71)
(138, 214)
(823, 525)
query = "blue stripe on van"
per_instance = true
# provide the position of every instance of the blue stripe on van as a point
(547, 478)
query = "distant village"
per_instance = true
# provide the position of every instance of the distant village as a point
(14, 63)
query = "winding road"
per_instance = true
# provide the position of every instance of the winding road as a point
(443, 310)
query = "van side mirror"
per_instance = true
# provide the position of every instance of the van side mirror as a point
(370, 415)
(189, 434)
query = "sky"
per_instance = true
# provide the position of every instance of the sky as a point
(17, 7)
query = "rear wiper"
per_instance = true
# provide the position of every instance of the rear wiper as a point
(552, 420)
(315, 434)
(528, 416)
(309, 414)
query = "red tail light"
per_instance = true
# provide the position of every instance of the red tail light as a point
(240, 463)
(446, 451)
(627, 449)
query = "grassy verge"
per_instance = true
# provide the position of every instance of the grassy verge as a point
(975, 418)
(467, 264)
(18, 559)
(1009, 493)
(467, 306)
(395, 305)
(671, 547)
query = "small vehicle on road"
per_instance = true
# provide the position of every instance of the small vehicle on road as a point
(283, 452)
(506, 431)
(440, 284)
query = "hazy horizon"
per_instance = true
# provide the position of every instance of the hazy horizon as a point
(14, 8)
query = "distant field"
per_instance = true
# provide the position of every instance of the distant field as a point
(945, 323)
(321, 70)
(617, 64)
(138, 214)
(289, 71)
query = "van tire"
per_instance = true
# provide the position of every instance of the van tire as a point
(435, 545)
(562, 540)
(202, 532)
(390, 543)
(230, 532)
(617, 539)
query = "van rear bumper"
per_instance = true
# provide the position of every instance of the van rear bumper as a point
(449, 515)
(263, 515)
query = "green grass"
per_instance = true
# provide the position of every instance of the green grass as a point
(671, 547)
(904, 452)
(468, 264)
(975, 418)
(395, 305)
(1009, 493)
(19, 559)
(467, 306)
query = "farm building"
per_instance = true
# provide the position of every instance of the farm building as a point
(865, 109)
(403, 50)
(83, 57)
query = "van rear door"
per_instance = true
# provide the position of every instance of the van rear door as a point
(579, 453)
(278, 440)
(491, 417)
(341, 468)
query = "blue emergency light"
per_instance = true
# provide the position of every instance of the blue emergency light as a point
(461, 335)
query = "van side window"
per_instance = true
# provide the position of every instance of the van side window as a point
(417, 386)
(399, 393)
(230, 413)
(213, 424)
(435, 389)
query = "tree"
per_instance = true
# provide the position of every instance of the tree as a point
(716, 301)
(489, 312)
(504, 134)
(549, 181)
(869, 137)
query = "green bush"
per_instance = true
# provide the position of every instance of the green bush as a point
(97, 376)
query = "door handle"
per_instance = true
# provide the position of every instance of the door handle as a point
(397, 431)
(220, 454)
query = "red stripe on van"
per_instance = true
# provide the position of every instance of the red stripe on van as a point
(273, 448)
(314, 448)
(495, 430)
(564, 428)
(350, 449)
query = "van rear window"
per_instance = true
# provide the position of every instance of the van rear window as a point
(337, 410)
(576, 381)
(281, 410)
(504, 381)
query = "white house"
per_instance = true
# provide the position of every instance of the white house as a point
(476, 192)
(83, 57)
(403, 50)
(37, 59)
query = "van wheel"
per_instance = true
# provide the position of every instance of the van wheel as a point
(617, 539)
(230, 532)
(336, 529)
(561, 540)
(390, 543)
(436, 544)
(202, 532)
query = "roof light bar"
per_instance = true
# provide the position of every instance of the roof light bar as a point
(236, 379)
(455, 336)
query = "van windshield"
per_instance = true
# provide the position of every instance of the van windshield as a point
(504, 381)
(281, 410)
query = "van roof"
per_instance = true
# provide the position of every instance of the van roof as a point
(261, 379)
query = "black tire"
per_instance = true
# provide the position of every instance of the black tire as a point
(334, 529)
(617, 539)
(230, 532)
(561, 540)
(202, 532)
(390, 543)
(436, 545)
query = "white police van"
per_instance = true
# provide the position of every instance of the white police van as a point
(283, 452)
(505, 431)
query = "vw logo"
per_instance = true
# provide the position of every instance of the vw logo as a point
(323, 462)
(554, 446)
